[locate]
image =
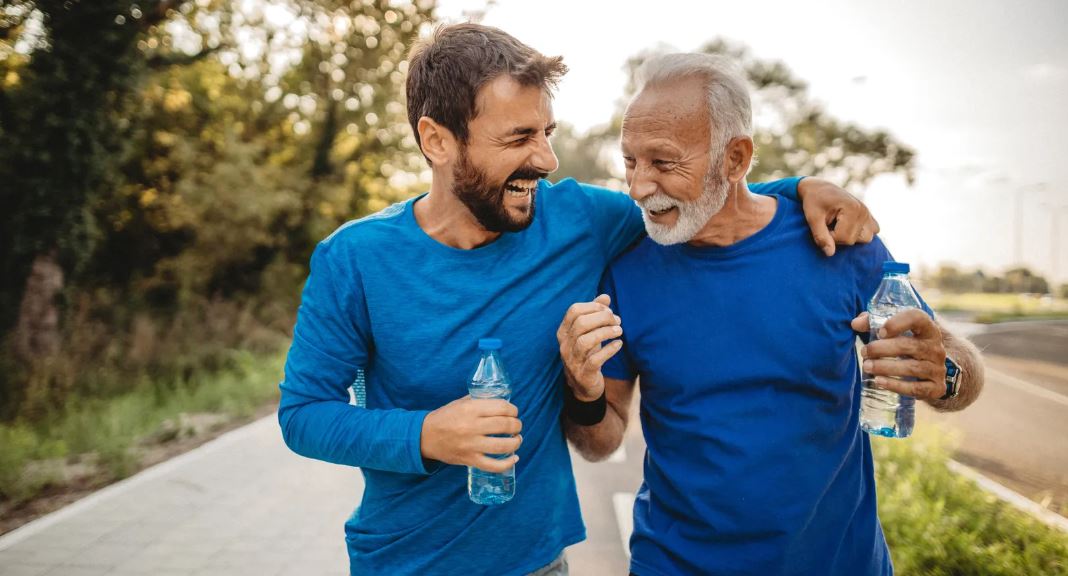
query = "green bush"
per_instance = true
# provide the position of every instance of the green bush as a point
(938, 523)
(107, 431)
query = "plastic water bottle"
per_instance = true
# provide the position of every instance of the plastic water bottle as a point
(882, 412)
(490, 381)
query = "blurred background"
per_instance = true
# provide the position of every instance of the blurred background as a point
(167, 166)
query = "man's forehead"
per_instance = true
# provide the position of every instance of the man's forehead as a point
(671, 100)
(510, 106)
(665, 117)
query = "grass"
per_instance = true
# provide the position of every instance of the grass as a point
(105, 435)
(993, 308)
(940, 524)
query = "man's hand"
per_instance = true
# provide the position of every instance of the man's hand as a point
(921, 356)
(585, 326)
(834, 215)
(460, 432)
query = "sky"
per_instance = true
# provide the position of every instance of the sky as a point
(978, 88)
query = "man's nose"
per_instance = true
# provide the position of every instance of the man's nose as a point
(544, 158)
(641, 184)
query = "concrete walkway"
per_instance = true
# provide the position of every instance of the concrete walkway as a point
(241, 504)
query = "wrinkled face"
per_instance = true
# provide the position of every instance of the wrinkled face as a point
(496, 173)
(671, 171)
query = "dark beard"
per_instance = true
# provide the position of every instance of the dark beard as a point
(485, 201)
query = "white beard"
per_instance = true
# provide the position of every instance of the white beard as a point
(692, 215)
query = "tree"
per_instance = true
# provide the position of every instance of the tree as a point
(794, 135)
(240, 162)
(159, 157)
(58, 143)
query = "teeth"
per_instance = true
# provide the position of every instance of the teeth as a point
(521, 188)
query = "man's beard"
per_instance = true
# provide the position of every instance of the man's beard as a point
(486, 201)
(692, 216)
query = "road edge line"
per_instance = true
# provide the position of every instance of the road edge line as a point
(1010, 496)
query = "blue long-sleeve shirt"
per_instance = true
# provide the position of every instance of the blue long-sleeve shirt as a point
(385, 298)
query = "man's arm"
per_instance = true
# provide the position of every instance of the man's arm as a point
(597, 442)
(330, 344)
(834, 216)
(921, 356)
(583, 330)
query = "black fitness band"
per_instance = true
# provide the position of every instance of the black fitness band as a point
(584, 413)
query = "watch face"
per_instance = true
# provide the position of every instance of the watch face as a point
(952, 370)
(952, 378)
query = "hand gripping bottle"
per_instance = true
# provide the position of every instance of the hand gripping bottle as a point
(490, 381)
(882, 412)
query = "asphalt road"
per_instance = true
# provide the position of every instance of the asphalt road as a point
(1045, 341)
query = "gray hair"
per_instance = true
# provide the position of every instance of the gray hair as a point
(729, 108)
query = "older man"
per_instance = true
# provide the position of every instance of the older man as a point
(740, 336)
(405, 294)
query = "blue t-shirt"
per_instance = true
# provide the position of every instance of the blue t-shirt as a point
(750, 392)
(386, 299)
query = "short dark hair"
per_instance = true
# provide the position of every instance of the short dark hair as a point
(446, 71)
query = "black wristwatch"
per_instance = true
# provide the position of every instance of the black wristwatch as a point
(953, 376)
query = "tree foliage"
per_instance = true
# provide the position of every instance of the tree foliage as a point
(180, 158)
(795, 135)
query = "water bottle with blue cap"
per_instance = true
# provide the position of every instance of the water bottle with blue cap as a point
(882, 412)
(490, 381)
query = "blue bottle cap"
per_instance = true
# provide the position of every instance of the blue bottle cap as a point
(489, 343)
(891, 267)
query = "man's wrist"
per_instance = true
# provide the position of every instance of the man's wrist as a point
(954, 376)
(584, 413)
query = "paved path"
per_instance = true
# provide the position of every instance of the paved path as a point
(244, 504)
(241, 504)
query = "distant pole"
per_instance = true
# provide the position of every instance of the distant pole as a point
(1055, 212)
(1018, 240)
(1017, 245)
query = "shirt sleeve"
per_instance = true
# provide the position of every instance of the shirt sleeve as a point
(784, 187)
(331, 344)
(616, 219)
(620, 366)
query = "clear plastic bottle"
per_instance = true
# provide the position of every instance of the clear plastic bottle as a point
(882, 412)
(490, 381)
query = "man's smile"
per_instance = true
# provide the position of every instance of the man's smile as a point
(520, 188)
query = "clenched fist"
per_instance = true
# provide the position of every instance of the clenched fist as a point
(585, 326)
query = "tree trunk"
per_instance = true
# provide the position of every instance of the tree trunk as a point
(37, 328)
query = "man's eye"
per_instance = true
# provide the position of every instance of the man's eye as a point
(628, 161)
(664, 164)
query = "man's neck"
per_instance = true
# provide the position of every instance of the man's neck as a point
(447, 220)
(742, 215)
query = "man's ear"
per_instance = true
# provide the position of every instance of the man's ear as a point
(738, 158)
(438, 142)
